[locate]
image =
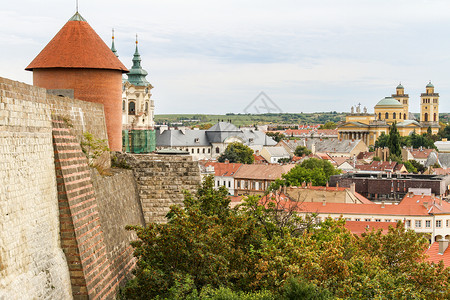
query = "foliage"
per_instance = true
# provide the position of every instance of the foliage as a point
(93, 147)
(316, 171)
(410, 167)
(419, 167)
(414, 140)
(328, 125)
(382, 141)
(277, 136)
(393, 141)
(424, 140)
(265, 250)
(302, 150)
(237, 153)
(376, 158)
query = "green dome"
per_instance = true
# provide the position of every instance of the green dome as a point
(429, 85)
(400, 86)
(389, 101)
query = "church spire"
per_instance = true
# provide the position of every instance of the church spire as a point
(137, 75)
(113, 47)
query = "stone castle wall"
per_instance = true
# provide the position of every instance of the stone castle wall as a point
(62, 224)
(161, 180)
(32, 263)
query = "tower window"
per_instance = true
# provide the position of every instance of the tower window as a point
(124, 105)
(131, 108)
(146, 106)
(394, 115)
(379, 116)
(425, 116)
(404, 116)
(386, 116)
(434, 117)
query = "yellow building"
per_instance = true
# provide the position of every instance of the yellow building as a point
(368, 127)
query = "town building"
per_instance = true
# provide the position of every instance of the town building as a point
(331, 147)
(391, 187)
(274, 154)
(223, 173)
(77, 63)
(369, 126)
(255, 179)
(420, 155)
(211, 143)
(425, 214)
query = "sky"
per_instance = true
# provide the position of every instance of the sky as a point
(209, 56)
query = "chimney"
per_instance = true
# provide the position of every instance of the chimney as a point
(324, 202)
(382, 204)
(443, 244)
(425, 204)
(227, 161)
(352, 188)
(303, 184)
(422, 195)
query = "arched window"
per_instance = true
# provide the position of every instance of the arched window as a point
(425, 117)
(434, 117)
(217, 150)
(394, 115)
(386, 116)
(146, 106)
(124, 105)
(404, 116)
(379, 116)
(131, 108)
(400, 115)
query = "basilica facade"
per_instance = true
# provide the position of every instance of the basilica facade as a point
(369, 126)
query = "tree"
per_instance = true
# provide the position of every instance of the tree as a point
(302, 150)
(409, 166)
(393, 142)
(328, 125)
(277, 136)
(419, 167)
(237, 153)
(382, 141)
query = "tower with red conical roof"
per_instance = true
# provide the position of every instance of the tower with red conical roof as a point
(77, 59)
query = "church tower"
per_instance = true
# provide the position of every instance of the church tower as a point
(403, 99)
(429, 106)
(77, 60)
(137, 106)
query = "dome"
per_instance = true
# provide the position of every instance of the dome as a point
(400, 86)
(389, 101)
(429, 85)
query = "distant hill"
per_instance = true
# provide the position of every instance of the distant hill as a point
(251, 119)
(258, 119)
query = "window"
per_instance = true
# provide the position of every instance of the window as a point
(438, 223)
(124, 105)
(198, 150)
(418, 224)
(203, 150)
(379, 116)
(238, 183)
(427, 223)
(192, 150)
(367, 220)
(404, 116)
(358, 219)
(386, 116)
(394, 115)
(209, 150)
(425, 116)
(131, 108)
(434, 117)
(377, 220)
(446, 223)
(229, 184)
(348, 219)
(146, 106)
(196, 140)
(408, 223)
(217, 150)
(387, 220)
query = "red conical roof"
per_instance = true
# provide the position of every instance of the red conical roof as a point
(77, 45)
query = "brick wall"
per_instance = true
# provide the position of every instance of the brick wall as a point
(161, 180)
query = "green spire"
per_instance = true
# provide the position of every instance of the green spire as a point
(113, 48)
(136, 76)
(77, 17)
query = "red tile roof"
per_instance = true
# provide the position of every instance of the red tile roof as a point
(421, 154)
(267, 172)
(77, 45)
(224, 169)
(359, 227)
(380, 166)
(327, 131)
(259, 159)
(434, 256)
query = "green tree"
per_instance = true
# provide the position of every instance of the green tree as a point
(419, 167)
(302, 150)
(410, 167)
(328, 125)
(393, 142)
(382, 141)
(277, 136)
(237, 153)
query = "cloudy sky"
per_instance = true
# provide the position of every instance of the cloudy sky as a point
(209, 56)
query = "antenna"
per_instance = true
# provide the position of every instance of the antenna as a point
(77, 5)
